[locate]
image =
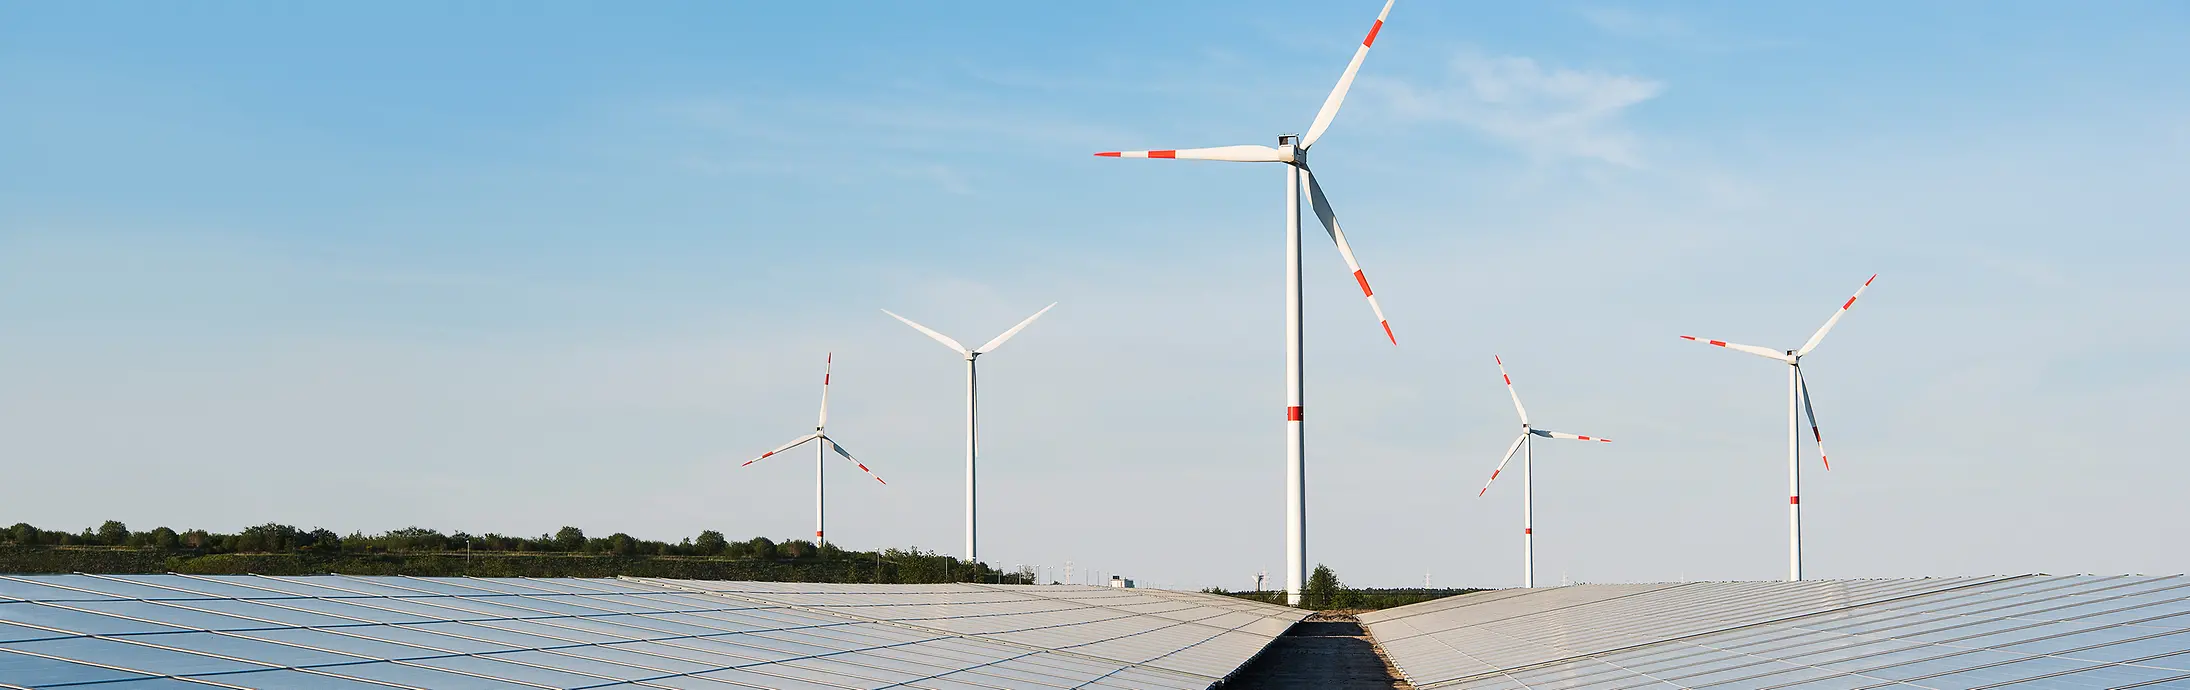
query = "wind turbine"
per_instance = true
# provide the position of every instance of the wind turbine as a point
(1292, 150)
(972, 441)
(821, 433)
(1527, 446)
(1798, 402)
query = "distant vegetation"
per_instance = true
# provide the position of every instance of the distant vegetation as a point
(1324, 592)
(276, 549)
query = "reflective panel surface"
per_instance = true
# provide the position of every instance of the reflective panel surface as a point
(332, 631)
(1945, 633)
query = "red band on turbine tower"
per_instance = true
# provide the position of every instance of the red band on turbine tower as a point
(1794, 500)
(817, 533)
(1292, 414)
(1528, 530)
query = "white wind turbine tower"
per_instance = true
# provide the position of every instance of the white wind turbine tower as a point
(1292, 150)
(1527, 446)
(821, 434)
(972, 440)
(1798, 403)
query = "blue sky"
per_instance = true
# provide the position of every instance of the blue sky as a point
(504, 268)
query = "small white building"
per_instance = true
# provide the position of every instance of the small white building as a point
(1120, 582)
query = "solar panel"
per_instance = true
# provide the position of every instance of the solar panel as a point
(139, 632)
(2030, 631)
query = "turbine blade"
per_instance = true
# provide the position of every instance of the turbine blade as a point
(999, 341)
(1562, 434)
(1345, 81)
(944, 339)
(1815, 338)
(826, 365)
(1509, 389)
(1246, 153)
(1510, 450)
(1764, 352)
(784, 447)
(848, 456)
(1330, 225)
(1803, 383)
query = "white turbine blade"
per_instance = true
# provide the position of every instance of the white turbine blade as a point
(1803, 383)
(848, 456)
(944, 339)
(1509, 388)
(1247, 153)
(825, 366)
(1835, 318)
(1562, 434)
(1765, 352)
(1330, 225)
(1345, 81)
(785, 447)
(999, 341)
(1510, 450)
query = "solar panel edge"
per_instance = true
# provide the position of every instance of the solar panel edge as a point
(1950, 584)
(974, 587)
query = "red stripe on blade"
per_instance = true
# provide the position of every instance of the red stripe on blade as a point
(1388, 332)
(1364, 281)
(1163, 154)
(1720, 343)
(1867, 282)
(1109, 154)
(1371, 40)
(1851, 303)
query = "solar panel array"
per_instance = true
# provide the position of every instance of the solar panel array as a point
(142, 632)
(2024, 632)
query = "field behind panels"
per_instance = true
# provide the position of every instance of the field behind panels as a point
(139, 632)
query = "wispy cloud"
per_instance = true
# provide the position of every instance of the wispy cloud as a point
(1551, 113)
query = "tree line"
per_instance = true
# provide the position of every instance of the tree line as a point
(1325, 592)
(280, 538)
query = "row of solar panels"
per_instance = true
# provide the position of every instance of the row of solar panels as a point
(1944, 633)
(141, 632)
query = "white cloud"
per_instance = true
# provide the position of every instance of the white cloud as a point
(1548, 112)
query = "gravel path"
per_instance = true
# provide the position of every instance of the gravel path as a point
(1325, 651)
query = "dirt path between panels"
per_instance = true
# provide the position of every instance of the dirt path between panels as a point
(1324, 652)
